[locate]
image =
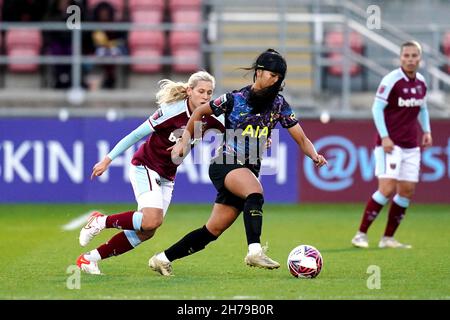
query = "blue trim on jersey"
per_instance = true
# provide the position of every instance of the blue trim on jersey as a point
(380, 198)
(137, 220)
(140, 132)
(378, 117)
(401, 201)
(424, 118)
(132, 237)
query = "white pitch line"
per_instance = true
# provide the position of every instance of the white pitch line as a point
(77, 222)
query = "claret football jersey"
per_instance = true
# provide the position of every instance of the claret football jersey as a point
(168, 123)
(404, 97)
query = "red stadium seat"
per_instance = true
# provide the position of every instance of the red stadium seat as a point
(146, 10)
(446, 48)
(148, 44)
(146, 16)
(23, 43)
(185, 48)
(118, 5)
(335, 39)
(184, 4)
(186, 16)
(185, 45)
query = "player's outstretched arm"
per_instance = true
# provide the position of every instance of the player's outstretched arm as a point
(306, 145)
(140, 132)
(100, 167)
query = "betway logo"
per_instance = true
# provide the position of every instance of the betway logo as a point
(411, 102)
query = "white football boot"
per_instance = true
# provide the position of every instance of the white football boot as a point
(390, 242)
(91, 229)
(360, 240)
(163, 268)
(261, 260)
(87, 266)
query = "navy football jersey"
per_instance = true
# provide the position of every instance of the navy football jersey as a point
(246, 132)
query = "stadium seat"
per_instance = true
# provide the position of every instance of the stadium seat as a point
(148, 44)
(185, 48)
(146, 10)
(184, 4)
(23, 43)
(335, 39)
(117, 4)
(446, 49)
(185, 45)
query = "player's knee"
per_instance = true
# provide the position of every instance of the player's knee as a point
(152, 219)
(406, 193)
(216, 231)
(145, 235)
(388, 191)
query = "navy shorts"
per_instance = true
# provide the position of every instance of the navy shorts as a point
(217, 174)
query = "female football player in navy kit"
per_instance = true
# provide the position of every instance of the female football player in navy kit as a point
(152, 173)
(250, 115)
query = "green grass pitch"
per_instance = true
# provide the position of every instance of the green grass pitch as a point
(37, 256)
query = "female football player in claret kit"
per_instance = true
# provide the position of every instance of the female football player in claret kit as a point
(152, 173)
(399, 106)
(251, 113)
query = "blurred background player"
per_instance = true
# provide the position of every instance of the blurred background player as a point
(400, 100)
(250, 115)
(152, 173)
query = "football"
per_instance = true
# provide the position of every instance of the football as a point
(304, 261)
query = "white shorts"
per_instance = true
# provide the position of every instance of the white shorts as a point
(150, 189)
(401, 164)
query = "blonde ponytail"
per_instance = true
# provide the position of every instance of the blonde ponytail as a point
(171, 91)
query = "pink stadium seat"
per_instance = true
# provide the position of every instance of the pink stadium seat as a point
(185, 45)
(186, 16)
(335, 39)
(119, 5)
(185, 48)
(146, 10)
(149, 44)
(146, 16)
(183, 4)
(23, 43)
(446, 48)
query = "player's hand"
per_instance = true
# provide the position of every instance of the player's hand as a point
(427, 140)
(178, 150)
(387, 144)
(100, 167)
(319, 160)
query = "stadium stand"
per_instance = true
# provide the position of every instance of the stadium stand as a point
(23, 43)
(146, 11)
(185, 45)
(118, 5)
(335, 39)
(220, 37)
(146, 44)
(446, 48)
